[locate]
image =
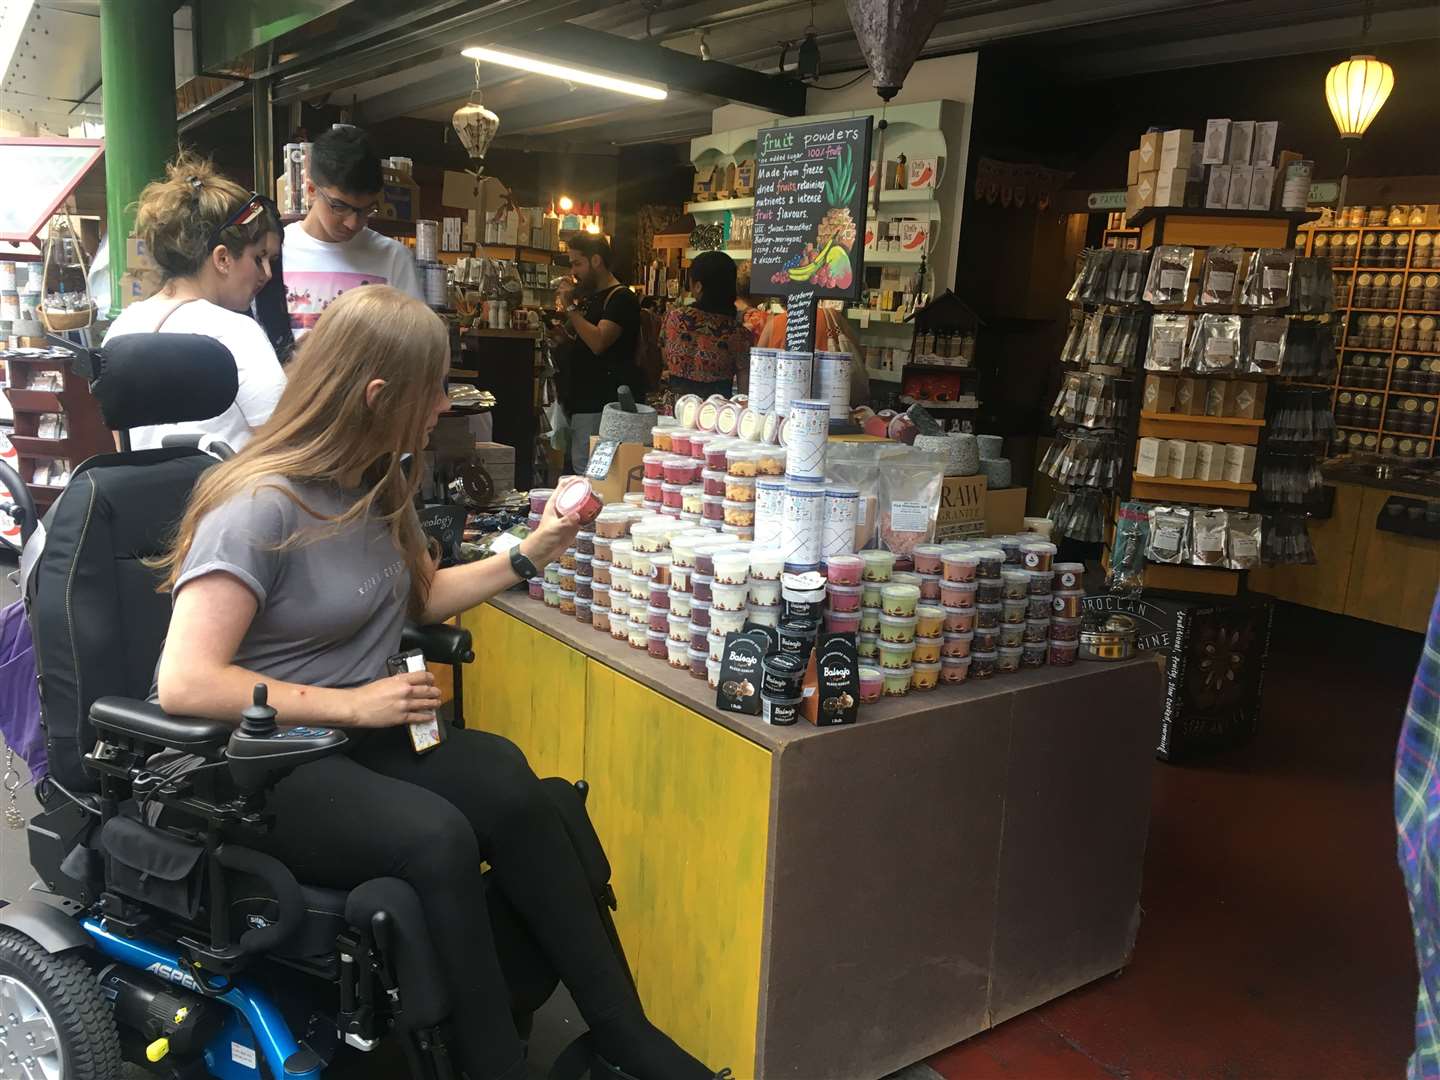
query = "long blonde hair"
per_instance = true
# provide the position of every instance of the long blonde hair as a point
(323, 429)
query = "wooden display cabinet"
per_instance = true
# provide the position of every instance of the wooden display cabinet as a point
(86, 433)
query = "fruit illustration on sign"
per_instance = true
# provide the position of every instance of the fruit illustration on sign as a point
(826, 261)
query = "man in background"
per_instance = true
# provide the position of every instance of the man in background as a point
(333, 249)
(596, 341)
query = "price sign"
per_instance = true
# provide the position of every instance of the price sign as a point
(810, 185)
(601, 458)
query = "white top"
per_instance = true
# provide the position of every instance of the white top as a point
(316, 271)
(261, 378)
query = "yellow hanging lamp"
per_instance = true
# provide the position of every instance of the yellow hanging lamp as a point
(1355, 90)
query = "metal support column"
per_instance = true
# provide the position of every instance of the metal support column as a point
(137, 71)
(262, 134)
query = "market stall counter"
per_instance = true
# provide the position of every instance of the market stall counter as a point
(840, 901)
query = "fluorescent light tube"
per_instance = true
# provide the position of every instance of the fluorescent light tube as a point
(569, 74)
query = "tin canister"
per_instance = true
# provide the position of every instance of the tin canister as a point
(842, 506)
(762, 379)
(793, 372)
(832, 376)
(427, 241)
(805, 437)
(769, 510)
(803, 525)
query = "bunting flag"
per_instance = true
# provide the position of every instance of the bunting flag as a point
(1016, 185)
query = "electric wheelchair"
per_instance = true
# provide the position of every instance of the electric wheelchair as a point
(155, 934)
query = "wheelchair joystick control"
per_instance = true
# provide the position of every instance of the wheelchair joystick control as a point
(261, 752)
(259, 719)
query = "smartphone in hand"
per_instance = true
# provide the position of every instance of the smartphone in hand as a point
(424, 734)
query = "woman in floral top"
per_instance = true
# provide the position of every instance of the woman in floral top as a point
(704, 345)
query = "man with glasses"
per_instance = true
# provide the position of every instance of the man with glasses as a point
(332, 250)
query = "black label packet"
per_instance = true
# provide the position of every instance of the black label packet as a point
(837, 674)
(740, 672)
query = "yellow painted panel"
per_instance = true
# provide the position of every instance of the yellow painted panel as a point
(528, 687)
(683, 807)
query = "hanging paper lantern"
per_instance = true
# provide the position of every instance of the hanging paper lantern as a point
(1355, 90)
(476, 126)
(891, 34)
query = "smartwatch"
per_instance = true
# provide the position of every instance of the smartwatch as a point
(523, 567)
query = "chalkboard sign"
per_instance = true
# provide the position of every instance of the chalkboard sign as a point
(810, 185)
(800, 321)
(601, 458)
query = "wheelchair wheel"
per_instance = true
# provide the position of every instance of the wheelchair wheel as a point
(54, 1022)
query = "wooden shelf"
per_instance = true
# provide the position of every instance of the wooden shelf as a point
(883, 376)
(1150, 213)
(1216, 580)
(1227, 421)
(715, 206)
(1210, 492)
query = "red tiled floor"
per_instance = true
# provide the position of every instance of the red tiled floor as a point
(1275, 940)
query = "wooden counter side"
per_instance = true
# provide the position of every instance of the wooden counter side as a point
(1394, 575)
(1325, 584)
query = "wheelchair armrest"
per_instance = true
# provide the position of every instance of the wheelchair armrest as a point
(441, 643)
(147, 721)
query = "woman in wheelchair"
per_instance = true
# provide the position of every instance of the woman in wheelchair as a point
(296, 564)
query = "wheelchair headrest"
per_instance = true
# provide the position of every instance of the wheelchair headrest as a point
(144, 379)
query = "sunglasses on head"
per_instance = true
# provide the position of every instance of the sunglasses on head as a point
(249, 210)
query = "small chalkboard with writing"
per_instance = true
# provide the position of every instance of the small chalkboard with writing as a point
(800, 321)
(810, 185)
(601, 458)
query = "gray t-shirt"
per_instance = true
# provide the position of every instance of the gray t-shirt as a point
(330, 610)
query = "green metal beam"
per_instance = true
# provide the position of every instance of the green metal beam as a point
(137, 71)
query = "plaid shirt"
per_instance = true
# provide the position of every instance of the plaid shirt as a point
(1417, 819)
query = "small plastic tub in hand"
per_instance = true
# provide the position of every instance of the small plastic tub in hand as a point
(928, 649)
(958, 594)
(842, 622)
(925, 676)
(844, 569)
(900, 600)
(954, 669)
(844, 598)
(872, 684)
(897, 628)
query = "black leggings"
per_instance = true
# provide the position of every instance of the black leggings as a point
(384, 811)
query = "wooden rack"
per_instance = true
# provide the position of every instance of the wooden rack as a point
(1386, 426)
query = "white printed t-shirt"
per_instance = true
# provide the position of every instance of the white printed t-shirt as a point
(262, 380)
(316, 271)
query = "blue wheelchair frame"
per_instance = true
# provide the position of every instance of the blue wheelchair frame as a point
(255, 1017)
